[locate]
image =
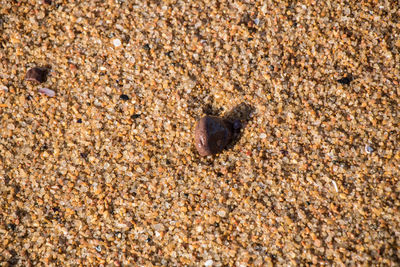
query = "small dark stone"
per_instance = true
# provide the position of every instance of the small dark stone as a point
(148, 240)
(29, 97)
(216, 224)
(135, 116)
(146, 47)
(11, 226)
(44, 147)
(56, 209)
(345, 80)
(47, 2)
(84, 155)
(212, 134)
(124, 97)
(37, 75)
(79, 121)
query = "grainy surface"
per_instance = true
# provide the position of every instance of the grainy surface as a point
(88, 177)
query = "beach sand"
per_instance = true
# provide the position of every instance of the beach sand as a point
(105, 172)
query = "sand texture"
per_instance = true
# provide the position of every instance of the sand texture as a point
(98, 165)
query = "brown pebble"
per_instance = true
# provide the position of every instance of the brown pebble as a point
(37, 75)
(212, 134)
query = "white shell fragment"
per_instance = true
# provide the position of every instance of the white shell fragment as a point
(117, 42)
(47, 91)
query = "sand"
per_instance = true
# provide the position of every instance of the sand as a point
(105, 172)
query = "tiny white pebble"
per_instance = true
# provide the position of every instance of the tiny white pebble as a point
(257, 21)
(221, 213)
(117, 42)
(47, 92)
(263, 136)
(209, 263)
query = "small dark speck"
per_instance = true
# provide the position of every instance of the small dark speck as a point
(148, 240)
(11, 226)
(84, 155)
(98, 248)
(79, 121)
(56, 209)
(124, 97)
(249, 39)
(29, 97)
(135, 116)
(146, 47)
(345, 80)
(44, 147)
(216, 224)
(169, 53)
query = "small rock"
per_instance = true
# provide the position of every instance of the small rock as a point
(47, 92)
(37, 75)
(117, 42)
(345, 80)
(368, 149)
(221, 213)
(212, 134)
(124, 97)
(135, 116)
(208, 263)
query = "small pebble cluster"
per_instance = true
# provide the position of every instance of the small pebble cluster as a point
(100, 162)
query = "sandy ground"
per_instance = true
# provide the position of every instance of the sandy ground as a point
(106, 172)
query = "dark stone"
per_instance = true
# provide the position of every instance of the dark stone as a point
(345, 80)
(212, 134)
(11, 226)
(135, 116)
(37, 75)
(146, 47)
(79, 121)
(124, 97)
